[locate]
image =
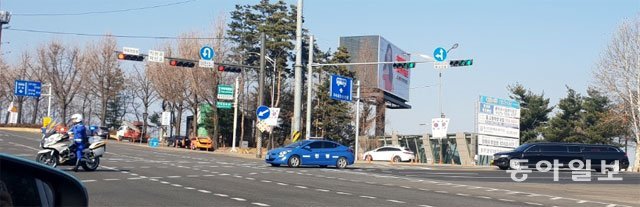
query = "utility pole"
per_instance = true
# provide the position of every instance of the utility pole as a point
(260, 92)
(235, 114)
(357, 117)
(309, 87)
(5, 17)
(297, 95)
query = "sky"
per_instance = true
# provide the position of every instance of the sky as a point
(544, 45)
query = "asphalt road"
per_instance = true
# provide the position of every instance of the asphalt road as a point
(135, 175)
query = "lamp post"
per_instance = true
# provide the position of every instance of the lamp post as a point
(5, 17)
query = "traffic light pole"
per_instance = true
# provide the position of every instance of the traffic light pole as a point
(297, 93)
(357, 117)
(309, 87)
(235, 114)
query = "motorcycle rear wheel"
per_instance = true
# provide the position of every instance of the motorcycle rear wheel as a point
(91, 164)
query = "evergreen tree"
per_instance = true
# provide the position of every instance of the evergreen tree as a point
(115, 111)
(600, 125)
(566, 125)
(534, 112)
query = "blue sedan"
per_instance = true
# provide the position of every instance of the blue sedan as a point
(311, 152)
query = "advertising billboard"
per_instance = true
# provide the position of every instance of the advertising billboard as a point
(393, 80)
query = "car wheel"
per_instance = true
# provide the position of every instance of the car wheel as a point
(193, 146)
(275, 165)
(396, 159)
(368, 158)
(503, 167)
(294, 161)
(119, 138)
(341, 163)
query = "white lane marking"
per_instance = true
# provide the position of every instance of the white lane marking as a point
(396, 201)
(133, 174)
(223, 174)
(88, 181)
(125, 172)
(164, 182)
(239, 199)
(237, 176)
(533, 195)
(265, 181)
(322, 190)
(260, 204)
(423, 189)
(535, 204)
(425, 206)
(174, 176)
(462, 194)
(250, 178)
(111, 179)
(507, 200)
(221, 195)
(193, 176)
(406, 187)
(176, 185)
(485, 197)
(138, 178)
(189, 188)
(204, 191)
(155, 177)
(343, 193)
(369, 197)
(441, 191)
(299, 186)
(582, 201)
(282, 184)
(253, 173)
(556, 198)
(152, 179)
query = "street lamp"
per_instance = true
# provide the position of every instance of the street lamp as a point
(5, 17)
(273, 80)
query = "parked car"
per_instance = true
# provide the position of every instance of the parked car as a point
(564, 153)
(390, 153)
(311, 152)
(178, 141)
(201, 143)
(131, 131)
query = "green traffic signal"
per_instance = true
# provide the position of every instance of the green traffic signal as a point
(407, 65)
(411, 65)
(459, 63)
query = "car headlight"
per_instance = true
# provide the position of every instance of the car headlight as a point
(283, 153)
(501, 156)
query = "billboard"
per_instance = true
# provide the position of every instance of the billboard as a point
(498, 125)
(395, 82)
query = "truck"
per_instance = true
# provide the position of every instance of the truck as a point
(131, 131)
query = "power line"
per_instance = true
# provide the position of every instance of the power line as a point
(112, 35)
(103, 12)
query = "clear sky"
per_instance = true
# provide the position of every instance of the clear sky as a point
(541, 44)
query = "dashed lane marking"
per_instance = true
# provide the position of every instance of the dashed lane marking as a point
(396, 201)
(204, 191)
(369, 197)
(535, 204)
(506, 200)
(239, 199)
(260, 204)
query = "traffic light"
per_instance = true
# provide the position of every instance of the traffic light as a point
(460, 63)
(226, 68)
(122, 56)
(406, 65)
(182, 63)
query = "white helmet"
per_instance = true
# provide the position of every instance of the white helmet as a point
(76, 118)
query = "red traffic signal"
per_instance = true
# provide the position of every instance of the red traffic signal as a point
(122, 56)
(181, 63)
(228, 68)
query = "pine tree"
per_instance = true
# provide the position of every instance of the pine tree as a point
(565, 126)
(534, 112)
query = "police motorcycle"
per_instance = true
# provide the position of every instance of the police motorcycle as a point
(58, 149)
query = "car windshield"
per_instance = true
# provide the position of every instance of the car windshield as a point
(521, 148)
(297, 144)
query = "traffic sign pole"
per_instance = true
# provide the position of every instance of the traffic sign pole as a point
(309, 86)
(357, 117)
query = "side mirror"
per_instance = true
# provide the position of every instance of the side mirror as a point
(27, 183)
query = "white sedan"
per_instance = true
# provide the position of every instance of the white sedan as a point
(389, 153)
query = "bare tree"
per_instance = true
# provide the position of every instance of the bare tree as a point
(143, 90)
(170, 85)
(105, 77)
(618, 75)
(62, 66)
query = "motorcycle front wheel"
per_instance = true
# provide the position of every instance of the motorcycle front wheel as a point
(91, 164)
(48, 159)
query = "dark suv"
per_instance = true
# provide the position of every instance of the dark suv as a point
(564, 153)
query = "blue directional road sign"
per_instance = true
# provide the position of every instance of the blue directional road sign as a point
(440, 54)
(340, 88)
(154, 142)
(263, 112)
(206, 53)
(27, 88)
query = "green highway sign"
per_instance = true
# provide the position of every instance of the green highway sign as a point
(224, 105)
(225, 92)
